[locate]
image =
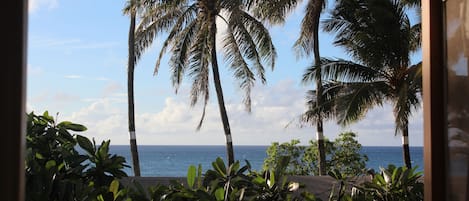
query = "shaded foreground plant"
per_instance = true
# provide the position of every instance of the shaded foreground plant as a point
(393, 184)
(56, 170)
(232, 183)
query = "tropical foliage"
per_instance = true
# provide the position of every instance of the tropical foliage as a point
(275, 12)
(233, 183)
(379, 38)
(56, 170)
(191, 28)
(343, 155)
(393, 184)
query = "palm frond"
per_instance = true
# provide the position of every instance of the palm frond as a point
(342, 70)
(199, 69)
(180, 53)
(176, 33)
(241, 69)
(262, 39)
(304, 45)
(357, 98)
(416, 37)
(327, 108)
(156, 21)
(245, 42)
(273, 12)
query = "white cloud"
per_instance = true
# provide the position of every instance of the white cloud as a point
(69, 44)
(34, 70)
(111, 88)
(73, 76)
(273, 108)
(36, 5)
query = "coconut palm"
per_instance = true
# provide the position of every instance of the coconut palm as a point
(191, 30)
(379, 38)
(131, 9)
(276, 12)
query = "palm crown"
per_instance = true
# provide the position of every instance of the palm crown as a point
(378, 35)
(247, 45)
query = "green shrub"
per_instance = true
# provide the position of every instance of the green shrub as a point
(343, 154)
(232, 183)
(392, 184)
(56, 170)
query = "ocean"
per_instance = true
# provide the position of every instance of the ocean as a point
(173, 161)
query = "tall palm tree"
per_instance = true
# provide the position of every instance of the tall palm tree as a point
(191, 36)
(275, 12)
(131, 9)
(379, 37)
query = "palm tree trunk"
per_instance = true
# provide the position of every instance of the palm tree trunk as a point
(130, 95)
(221, 101)
(317, 62)
(405, 147)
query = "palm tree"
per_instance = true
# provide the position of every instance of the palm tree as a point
(131, 9)
(275, 12)
(191, 35)
(379, 37)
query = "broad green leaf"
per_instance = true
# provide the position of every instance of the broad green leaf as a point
(48, 117)
(220, 194)
(86, 144)
(50, 164)
(114, 188)
(219, 165)
(199, 176)
(259, 181)
(39, 156)
(191, 173)
(104, 149)
(72, 126)
(271, 179)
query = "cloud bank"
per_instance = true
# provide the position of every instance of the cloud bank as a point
(273, 108)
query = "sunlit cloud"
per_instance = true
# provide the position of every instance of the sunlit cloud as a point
(112, 88)
(69, 44)
(36, 5)
(73, 76)
(275, 106)
(102, 79)
(34, 70)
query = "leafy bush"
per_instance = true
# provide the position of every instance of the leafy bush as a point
(232, 183)
(393, 184)
(343, 154)
(56, 170)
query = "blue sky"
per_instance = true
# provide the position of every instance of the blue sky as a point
(77, 54)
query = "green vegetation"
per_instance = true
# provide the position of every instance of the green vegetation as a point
(232, 183)
(393, 184)
(57, 170)
(65, 166)
(276, 12)
(380, 72)
(191, 34)
(377, 34)
(342, 155)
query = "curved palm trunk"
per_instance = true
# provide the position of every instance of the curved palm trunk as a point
(221, 101)
(319, 89)
(130, 95)
(405, 147)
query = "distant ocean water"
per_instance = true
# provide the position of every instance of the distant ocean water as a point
(169, 160)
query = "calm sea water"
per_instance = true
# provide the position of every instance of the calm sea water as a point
(174, 160)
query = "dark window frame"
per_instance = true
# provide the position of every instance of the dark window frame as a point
(14, 84)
